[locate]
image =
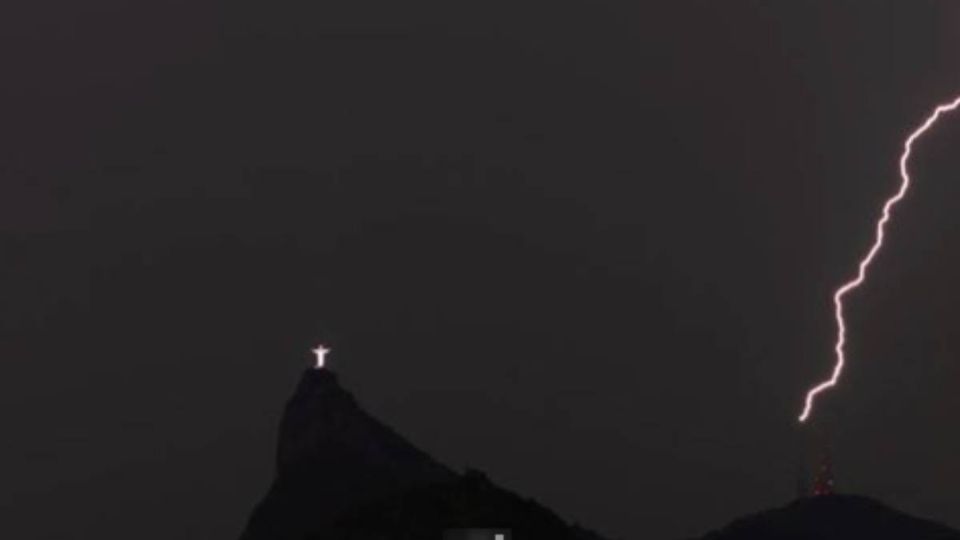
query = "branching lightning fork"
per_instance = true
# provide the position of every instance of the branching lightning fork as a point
(865, 262)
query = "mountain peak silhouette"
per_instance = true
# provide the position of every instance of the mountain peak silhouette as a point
(341, 473)
(833, 517)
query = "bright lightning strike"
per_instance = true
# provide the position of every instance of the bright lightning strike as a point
(877, 244)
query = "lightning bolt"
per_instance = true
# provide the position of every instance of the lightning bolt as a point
(865, 262)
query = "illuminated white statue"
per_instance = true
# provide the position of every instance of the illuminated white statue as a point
(321, 354)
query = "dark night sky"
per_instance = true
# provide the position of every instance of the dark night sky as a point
(587, 247)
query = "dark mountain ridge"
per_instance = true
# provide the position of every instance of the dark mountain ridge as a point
(833, 517)
(342, 474)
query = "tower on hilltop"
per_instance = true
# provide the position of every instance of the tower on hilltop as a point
(823, 481)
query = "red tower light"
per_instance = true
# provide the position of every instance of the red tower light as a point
(823, 482)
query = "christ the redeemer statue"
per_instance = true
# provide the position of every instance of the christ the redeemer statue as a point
(321, 353)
